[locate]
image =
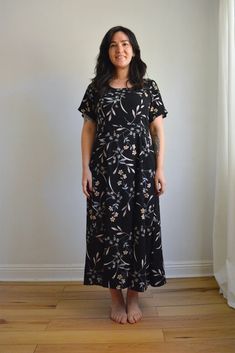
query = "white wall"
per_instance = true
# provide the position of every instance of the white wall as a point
(48, 51)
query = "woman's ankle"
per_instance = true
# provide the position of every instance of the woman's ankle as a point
(132, 293)
(116, 295)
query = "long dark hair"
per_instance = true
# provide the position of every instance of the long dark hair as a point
(105, 70)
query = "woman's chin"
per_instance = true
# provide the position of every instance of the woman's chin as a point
(121, 65)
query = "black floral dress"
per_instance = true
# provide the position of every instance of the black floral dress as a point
(123, 233)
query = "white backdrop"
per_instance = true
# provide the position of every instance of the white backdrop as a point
(48, 52)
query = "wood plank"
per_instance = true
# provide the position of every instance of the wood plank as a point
(198, 334)
(23, 304)
(187, 282)
(48, 314)
(100, 324)
(13, 348)
(194, 321)
(188, 297)
(82, 336)
(23, 325)
(153, 347)
(29, 287)
(181, 310)
(94, 303)
(18, 296)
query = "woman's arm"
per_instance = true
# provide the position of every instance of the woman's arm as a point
(87, 141)
(157, 134)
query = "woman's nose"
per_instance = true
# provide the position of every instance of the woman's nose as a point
(119, 48)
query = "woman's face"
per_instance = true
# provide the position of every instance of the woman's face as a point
(120, 51)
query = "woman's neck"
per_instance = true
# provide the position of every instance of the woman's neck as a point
(121, 75)
(120, 79)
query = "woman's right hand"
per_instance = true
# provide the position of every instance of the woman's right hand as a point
(87, 182)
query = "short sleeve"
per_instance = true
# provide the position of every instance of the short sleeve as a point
(157, 107)
(87, 106)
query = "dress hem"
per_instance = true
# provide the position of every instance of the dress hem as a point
(160, 284)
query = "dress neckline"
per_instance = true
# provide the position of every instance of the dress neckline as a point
(125, 88)
(121, 88)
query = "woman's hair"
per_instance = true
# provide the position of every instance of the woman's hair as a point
(105, 70)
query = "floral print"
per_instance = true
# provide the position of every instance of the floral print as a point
(123, 230)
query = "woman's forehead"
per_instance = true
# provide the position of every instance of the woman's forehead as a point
(119, 37)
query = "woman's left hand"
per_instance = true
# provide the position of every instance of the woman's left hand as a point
(160, 182)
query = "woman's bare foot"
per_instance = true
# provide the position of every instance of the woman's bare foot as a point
(134, 314)
(118, 309)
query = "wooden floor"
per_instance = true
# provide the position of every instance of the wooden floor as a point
(184, 316)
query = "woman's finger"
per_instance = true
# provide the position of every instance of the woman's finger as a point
(160, 186)
(84, 189)
(90, 185)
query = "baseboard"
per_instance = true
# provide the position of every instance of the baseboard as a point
(74, 272)
(189, 269)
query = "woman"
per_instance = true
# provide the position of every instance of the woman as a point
(122, 160)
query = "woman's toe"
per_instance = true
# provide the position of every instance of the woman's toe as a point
(131, 319)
